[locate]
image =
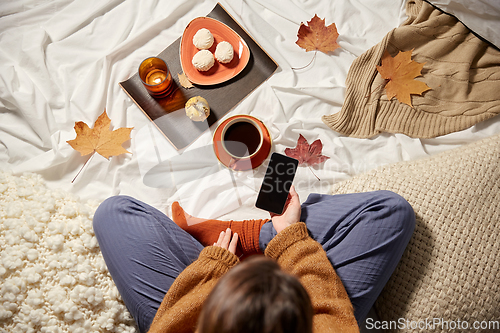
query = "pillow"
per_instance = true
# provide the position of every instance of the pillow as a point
(480, 16)
(450, 269)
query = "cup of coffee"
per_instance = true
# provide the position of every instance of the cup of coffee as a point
(242, 142)
(241, 138)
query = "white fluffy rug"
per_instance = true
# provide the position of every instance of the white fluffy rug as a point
(54, 278)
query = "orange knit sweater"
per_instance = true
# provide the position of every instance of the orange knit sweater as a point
(295, 252)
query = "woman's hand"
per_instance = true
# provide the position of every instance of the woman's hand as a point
(291, 213)
(226, 241)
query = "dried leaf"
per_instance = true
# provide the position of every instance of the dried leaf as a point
(184, 81)
(100, 139)
(317, 36)
(307, 154)
(401, 72)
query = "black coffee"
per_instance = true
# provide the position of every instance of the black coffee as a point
(242, 139)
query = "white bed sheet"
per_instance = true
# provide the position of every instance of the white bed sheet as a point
(61, 61)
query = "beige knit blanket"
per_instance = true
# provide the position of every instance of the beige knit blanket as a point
(462, 71)
(451, 268)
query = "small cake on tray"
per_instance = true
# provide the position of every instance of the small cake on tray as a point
(197, 108)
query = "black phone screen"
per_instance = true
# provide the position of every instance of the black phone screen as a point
(276, 183)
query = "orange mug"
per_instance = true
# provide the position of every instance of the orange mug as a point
(242, 142)
(242, 138)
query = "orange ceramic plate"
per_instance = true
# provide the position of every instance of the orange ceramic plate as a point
(245, 164)
(219, 72)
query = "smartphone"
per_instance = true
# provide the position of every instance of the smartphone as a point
(276, 183)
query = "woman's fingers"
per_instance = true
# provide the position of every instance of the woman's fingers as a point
(220, 239)
(292, 199)
(293, 195)
(226, 241)
(233, 244)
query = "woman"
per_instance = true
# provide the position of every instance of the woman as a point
(356, 242)
(257, 296)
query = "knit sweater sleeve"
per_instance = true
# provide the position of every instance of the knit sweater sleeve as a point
(182, 304)
(300, 255)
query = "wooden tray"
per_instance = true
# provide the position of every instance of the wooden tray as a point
(168, 114)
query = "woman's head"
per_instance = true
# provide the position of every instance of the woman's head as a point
(257, 296)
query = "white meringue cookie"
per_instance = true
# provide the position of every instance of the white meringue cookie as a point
(224, 52)
(203, 60)
(203, 39)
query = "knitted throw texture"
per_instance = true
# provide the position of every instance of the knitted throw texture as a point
(462, 71)
(451, 267)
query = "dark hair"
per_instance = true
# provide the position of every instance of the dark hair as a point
(256, 296)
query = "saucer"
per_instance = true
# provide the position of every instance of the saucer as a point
(247, 163)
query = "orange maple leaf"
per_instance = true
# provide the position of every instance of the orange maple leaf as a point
(401, 72)
(317, 36)
(100, 139)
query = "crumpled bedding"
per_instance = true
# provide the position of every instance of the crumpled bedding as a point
(61, 61)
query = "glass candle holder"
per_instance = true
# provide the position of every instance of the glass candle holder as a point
(156, 77)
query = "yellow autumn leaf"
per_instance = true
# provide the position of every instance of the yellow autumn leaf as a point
(100, 139)
(401, 72)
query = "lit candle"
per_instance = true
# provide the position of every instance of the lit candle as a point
(156, 77)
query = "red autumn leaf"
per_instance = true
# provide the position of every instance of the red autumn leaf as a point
(307, 154)
(317, 36)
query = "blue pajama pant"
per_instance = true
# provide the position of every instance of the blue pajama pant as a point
(363, 234)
